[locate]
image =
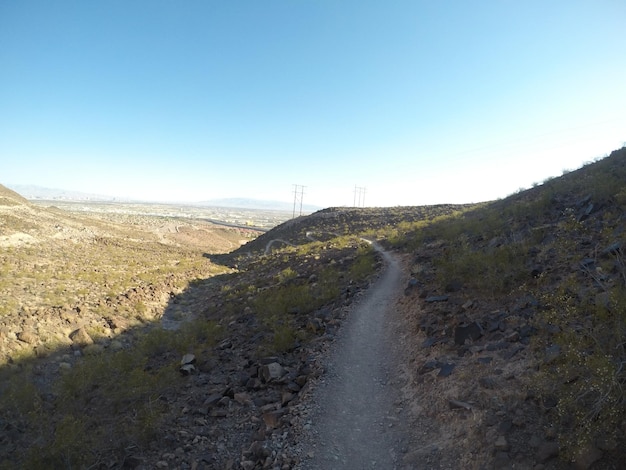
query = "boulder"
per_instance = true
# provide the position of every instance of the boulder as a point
(187, 366)
(471, 331)
(272, 418)
(80, 337)
(188, 359)
(27, 336)
(272, 371)
(501, 444)
(187, 369)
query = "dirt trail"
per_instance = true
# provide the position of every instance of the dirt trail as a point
(357, 420)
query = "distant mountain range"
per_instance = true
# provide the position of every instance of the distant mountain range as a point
(33, 192)
(53, 194)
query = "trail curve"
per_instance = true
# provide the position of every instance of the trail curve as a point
(356, 423)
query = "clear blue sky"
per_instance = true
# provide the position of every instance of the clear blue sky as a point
(418, 101)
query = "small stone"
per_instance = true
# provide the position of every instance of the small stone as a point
(446, 370)
(272, 418)
(315, 325)
(501, 444)
(253, 384)
(286, 397)
(512, 337)
(471, 331)
(188, 359)
(247, 464)
(293, 387)
(243, 399)
(456, 404)
(258, 450)
(187, 369)
(213, 399)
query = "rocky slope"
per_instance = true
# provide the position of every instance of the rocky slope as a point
(100, 318)
(511, 323)
(517, 309)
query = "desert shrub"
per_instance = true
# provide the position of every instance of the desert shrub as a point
(19, 396)
(496, 270)
(283, 339)
(364, 265)
(286, 274)
(280, 300)
(120, 389)
(191, 335)
(588, 376)
(67, 447)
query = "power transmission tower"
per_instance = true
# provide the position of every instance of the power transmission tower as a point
(298, 195)
(359, 196)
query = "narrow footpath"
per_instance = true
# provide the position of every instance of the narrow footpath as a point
(357, 420)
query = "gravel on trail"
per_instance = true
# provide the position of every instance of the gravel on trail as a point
(357, 421)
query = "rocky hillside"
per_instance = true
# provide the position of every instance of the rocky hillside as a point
(182, 360)
(518, 311)
(131, 346)
(335, 222)
(11, 198)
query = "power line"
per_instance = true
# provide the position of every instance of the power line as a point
(359, 196)
(298, 196)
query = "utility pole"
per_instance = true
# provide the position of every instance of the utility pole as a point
(359, 196)
(298, 195)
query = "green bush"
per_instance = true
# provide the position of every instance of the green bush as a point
(364, 265)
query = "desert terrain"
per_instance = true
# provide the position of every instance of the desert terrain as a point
(494, 335)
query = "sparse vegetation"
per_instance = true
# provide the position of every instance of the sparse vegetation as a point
(113, 289)
(541, 275)
(559, 245)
